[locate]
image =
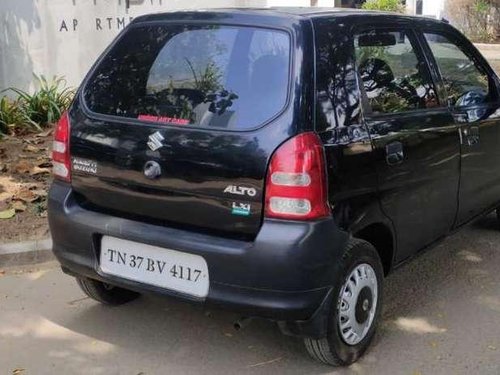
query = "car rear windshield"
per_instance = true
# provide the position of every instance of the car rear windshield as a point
(216, 76)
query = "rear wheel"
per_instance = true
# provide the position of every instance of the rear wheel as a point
(105, 293)
(355, 310)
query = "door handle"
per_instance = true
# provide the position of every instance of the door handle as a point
(461, 117)
(469, 135)
(394, 153)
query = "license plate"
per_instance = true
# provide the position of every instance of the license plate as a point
(165, 268)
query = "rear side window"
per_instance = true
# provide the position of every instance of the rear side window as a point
(194, 75)
(466, 81)
(394, 76)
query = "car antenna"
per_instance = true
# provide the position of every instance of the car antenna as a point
(445, 20)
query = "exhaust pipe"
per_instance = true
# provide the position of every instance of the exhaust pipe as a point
(241, 323)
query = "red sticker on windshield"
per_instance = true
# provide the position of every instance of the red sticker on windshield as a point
(171, 120)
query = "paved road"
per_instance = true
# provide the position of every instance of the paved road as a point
(496, 65)
(442, 316)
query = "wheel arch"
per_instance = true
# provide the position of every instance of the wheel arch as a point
(382, 238)
(365, 220)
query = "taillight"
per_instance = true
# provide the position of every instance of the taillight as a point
(296, 180)
(61, 164)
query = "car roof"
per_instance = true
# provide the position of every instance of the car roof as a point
(314, 11)
(290, 13)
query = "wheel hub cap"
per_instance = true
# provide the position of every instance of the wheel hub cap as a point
(357, 304)
(363, 305)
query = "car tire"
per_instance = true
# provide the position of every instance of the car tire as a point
(341, 346)
(105, 293)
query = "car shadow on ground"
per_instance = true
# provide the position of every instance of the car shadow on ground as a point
(186, 335)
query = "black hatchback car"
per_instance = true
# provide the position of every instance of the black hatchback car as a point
(275, 162)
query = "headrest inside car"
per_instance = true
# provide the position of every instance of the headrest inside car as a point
(377, 40)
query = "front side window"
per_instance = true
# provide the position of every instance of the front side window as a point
(465, 80)
(218, 76)
(394, 77)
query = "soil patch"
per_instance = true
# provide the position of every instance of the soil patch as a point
(25, 175)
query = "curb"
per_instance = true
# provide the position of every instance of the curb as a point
(28, 252)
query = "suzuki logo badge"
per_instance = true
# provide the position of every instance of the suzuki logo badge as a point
(155, 141)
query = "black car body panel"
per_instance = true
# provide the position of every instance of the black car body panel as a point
(401, 180)
(283, 274)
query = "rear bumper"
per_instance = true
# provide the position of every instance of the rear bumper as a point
(284, 274)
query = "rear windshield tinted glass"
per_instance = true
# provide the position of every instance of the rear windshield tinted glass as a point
(194, 75)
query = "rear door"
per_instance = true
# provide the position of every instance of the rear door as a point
(177, 122)
(471, 90)
(415, 139)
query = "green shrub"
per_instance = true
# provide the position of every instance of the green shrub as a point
(32, 112)
(12, 116)
(8, 114)
(45, 106)
(385, 5)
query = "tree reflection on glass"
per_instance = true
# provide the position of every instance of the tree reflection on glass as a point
(464, 78)
(204, 75)
(339, 104)
(395, 79)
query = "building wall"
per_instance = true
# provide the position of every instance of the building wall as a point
(431, 8)
(288, 3)
(64, 37)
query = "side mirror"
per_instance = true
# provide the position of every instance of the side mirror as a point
(471, 98)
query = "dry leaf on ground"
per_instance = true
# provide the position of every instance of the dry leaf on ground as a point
(31, 148)
(26, 195)
(7, 214)
(19, 206)
(37, 170)
(44, 163)
(40, 192)
(22, 167)
(45, 133)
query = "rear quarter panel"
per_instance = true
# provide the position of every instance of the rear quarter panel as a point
(351, 170)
